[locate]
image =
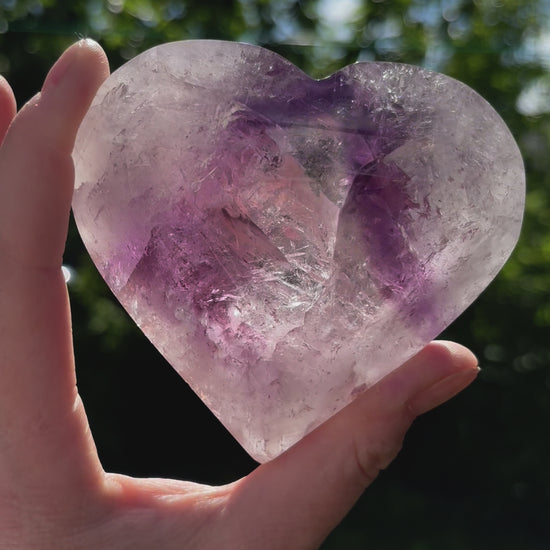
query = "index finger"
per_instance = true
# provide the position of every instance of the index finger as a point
(36, 168)
(45, 446)
(7, 107)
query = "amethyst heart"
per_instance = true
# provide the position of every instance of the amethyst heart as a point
(286, 242)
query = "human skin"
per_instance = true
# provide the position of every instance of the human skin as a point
(54, 493)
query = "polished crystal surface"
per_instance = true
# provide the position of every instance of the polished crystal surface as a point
(286, 242)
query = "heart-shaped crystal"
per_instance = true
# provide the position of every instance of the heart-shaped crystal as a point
(286, 242)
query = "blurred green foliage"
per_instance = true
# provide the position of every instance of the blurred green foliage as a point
(475, 473)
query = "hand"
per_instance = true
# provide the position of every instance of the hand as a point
(54, 493)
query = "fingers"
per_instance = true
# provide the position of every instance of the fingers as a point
(303, 494)
(36, 170)
(7, 107)
(44, 442)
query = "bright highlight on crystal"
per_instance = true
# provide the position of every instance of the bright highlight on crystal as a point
(286, 242)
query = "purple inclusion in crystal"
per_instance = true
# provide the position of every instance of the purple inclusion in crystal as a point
(285, 242)
(373, 216)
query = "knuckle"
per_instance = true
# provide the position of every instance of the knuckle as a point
(372, 455)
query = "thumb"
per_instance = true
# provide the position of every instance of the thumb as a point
(298, 498)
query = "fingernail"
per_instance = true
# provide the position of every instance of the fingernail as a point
(63, 64)
(443, 390)
(57, 72)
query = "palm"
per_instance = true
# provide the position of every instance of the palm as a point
(53, 490)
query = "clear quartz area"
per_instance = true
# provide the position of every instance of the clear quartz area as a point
(286, 242)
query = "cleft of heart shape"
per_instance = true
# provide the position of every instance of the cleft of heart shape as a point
(286, 242)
